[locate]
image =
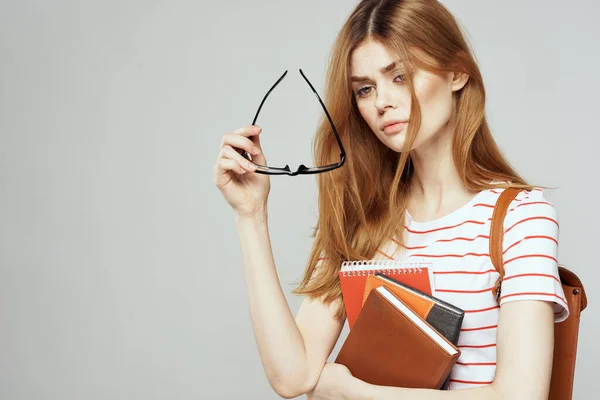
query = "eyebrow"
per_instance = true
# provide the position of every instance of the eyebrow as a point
(383, 70)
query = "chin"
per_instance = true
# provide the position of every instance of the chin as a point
(394, 142)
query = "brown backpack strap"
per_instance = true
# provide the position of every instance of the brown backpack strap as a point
(497, 233)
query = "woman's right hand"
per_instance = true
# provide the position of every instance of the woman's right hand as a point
(245, 191)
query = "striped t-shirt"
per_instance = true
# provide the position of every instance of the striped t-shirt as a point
(457, 246)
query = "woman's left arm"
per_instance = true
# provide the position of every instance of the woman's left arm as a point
(525, 343)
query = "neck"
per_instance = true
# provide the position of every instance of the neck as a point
(435, 186)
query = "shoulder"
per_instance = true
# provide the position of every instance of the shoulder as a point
(528, 207)
(530, 252)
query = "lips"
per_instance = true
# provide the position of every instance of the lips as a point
(393, 126)
(392, 122)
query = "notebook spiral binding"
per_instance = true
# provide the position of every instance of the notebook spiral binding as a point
(370, 267)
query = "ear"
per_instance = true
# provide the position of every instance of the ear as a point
(459, 80)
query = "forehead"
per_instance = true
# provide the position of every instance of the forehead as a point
(369, 57)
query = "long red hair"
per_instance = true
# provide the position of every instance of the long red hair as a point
(362, 204)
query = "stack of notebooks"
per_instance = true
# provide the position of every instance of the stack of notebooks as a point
(401, 335)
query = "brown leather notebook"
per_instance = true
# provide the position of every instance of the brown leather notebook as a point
(442, 316)
(391, 345)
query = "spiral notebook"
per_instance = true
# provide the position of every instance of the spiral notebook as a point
(416, 273)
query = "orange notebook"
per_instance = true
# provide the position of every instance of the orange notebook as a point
(353, 279)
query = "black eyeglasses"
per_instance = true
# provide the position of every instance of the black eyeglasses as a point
(302, 169)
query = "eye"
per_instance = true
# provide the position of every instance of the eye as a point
(363, 91)
(401, 76)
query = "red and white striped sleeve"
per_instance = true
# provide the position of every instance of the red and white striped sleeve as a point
(530, 253)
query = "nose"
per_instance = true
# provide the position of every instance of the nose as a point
(385, 99)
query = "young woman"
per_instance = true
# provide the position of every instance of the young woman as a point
(421, 179)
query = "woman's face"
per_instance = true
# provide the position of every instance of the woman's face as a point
(382, 96)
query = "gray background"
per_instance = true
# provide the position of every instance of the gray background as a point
(120, 268)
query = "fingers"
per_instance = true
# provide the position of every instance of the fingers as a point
(230, 161)
(229, 164)
(259, 158)
(242, 166)
(247, 139)
(249, 130)
(226, 164)
(238, 141)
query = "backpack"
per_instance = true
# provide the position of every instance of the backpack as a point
(565, 332)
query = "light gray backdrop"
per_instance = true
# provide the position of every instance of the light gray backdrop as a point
(120, 268)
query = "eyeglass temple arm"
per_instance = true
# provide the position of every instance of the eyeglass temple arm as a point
(267, 95)
(337, 137)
